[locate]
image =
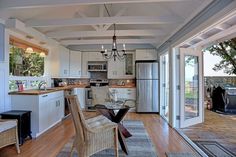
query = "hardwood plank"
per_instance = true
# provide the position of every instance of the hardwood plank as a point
(216, 127)
(165, 138)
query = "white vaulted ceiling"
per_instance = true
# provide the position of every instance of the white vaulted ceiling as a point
(85, 23)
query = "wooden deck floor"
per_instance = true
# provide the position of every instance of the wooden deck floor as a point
(216, 127)
(49, 144)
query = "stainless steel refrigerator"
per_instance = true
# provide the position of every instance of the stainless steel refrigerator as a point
(147, 87)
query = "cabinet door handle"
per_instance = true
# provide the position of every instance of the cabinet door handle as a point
(44, 95)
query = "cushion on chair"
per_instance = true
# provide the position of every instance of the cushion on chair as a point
(5, 125)
(100, 95)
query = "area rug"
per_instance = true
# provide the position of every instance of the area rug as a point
(214, 149)
(139, 145)
(180, 155)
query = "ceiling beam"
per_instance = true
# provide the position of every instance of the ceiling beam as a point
(85, 16)
(7, 4)
(78, 34)
(119, 13)
(108, 41)
(103, 20)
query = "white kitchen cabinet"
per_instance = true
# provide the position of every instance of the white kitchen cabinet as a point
(46, 109)
(122, 69)
(75, 64)
(85, 59)
(59, 60)
(89, 56)
(116, 69)
(126, 93)
(146, 54)
(80, 92)
(95, 56)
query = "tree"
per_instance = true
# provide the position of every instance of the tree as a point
(227, 51)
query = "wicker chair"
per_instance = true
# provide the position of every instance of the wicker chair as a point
(100, 95)
(92, 135)
(8, 134)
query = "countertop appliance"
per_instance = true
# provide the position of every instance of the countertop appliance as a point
(147, 86)
(94, 66)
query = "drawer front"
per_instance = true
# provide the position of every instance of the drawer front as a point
(48, 96)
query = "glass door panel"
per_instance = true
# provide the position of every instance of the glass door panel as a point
(191, 87)
(191, 97)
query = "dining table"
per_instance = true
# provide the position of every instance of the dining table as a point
(116, 111)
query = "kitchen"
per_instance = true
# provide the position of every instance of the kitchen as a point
(58, 48)
(75, 72)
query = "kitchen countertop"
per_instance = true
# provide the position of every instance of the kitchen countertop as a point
(49, 90)
(123, 86)
(54, 89)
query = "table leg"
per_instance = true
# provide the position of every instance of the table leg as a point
(122, 142)
(117, 118)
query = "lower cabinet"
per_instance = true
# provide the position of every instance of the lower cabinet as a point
(47, 109)
(80, 92)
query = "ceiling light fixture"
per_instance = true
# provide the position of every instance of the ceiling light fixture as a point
(114, 51)
(42, 54)
(29, 50)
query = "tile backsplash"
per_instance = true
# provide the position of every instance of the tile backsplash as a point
(86, 81)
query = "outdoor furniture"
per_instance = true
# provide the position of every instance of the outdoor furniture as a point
(8, 134)
(107, 110)
(92, 135)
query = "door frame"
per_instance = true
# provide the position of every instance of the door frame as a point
(162, 78)
(194, 52)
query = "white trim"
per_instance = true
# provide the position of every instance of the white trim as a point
(108, 41)
(16, 4)
(108, 33)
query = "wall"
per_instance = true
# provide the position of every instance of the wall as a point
(4, 71)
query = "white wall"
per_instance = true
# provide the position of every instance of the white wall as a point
(4, 71)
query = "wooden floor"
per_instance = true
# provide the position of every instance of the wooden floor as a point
(216, 127)
(49, 144)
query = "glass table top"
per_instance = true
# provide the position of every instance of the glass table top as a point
(119, 104)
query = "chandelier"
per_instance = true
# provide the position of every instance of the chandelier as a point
(114, 53)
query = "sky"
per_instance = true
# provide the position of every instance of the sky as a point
(209, 62)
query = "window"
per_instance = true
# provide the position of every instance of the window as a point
(26, 59)
(25, 64)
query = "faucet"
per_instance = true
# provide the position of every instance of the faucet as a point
(42, 83)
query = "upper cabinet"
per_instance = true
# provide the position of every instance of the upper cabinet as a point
(65, 63)
(89, 56)
(59, 60)
(146, 54)
(75, 64)
(122, 69)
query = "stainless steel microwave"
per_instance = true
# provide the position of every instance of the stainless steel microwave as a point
(97, 66)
